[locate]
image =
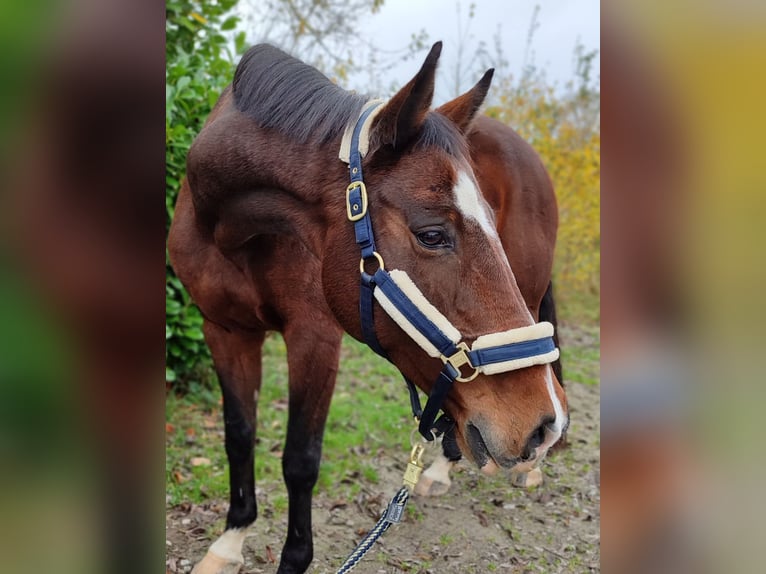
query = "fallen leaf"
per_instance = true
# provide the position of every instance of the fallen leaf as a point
(169, 428)
(483, 520)
(200, 461)
(270, 555)
(338, 504)
(279, 405)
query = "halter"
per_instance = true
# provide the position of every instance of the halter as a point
(401, 299)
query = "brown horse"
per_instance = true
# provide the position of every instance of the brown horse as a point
(262, 241)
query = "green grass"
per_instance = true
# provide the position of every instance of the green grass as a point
(580, 307)
(580, 364)
(370, 412)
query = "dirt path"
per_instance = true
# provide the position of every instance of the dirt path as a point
(481, 525)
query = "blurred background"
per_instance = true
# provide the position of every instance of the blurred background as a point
(82, 419)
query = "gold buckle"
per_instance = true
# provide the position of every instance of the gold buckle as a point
(458, 360)
(355, 213)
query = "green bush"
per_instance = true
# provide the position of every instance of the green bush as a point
(199, 64)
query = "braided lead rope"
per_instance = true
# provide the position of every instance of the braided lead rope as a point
(392, 515)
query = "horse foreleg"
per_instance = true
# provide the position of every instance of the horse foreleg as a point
(237, 360)
(435, 480)
(312, 355)
(527, 479)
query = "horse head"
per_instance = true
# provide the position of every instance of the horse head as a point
(433, 226)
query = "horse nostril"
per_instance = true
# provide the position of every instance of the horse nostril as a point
(535, 439)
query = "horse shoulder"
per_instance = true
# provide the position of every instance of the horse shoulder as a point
(240, 185)
(234, 223)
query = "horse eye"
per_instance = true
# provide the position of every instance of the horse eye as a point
(433, 238)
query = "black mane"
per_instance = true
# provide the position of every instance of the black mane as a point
(281, 92)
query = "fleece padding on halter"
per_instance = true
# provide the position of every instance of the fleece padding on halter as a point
(514, 349)
(364, 134)
(436, 335)
(412, 324)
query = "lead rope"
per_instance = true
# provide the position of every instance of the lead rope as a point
(394, 511)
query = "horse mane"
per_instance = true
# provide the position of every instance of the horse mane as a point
(281, 92)
(285, 94)
(439, 131)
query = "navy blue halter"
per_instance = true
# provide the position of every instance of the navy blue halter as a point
(455, 356)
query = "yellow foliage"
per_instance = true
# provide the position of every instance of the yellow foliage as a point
(199, 18)
(565, 132)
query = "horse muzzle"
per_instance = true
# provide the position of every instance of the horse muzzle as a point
(483, 451)
(489, 456)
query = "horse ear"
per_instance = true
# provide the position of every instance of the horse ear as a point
(462, 109)
(402, 117)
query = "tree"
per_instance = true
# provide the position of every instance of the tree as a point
(563, 127)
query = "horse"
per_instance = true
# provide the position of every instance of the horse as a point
(266, 237)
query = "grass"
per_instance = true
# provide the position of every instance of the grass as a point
(369, 407)
(370, 412)
(580, 358)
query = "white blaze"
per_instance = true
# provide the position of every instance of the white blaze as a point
(469, 202)
(471, 205)
(553, 432)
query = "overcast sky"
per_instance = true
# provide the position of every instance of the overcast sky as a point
(561, 24)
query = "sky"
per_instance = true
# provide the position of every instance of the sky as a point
(561, 24)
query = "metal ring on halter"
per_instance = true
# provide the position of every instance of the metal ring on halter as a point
(377, 256)
(422, 440)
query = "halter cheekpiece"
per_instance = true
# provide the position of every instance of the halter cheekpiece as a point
(401, 299)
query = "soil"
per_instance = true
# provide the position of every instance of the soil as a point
(481, 525)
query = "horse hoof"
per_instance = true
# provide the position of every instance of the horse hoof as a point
(427, 486)
(214, 564)
(527, 479)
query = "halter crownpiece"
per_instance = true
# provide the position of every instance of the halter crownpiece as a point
(409, 308)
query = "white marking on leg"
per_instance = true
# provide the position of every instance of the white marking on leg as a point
(439, 470)
(527, 479)
(435, 481)
(229, 545)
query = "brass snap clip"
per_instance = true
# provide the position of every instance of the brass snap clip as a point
(414, 467)
(458, 360)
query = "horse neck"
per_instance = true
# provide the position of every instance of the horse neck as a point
(309, 171)
(250, 181)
